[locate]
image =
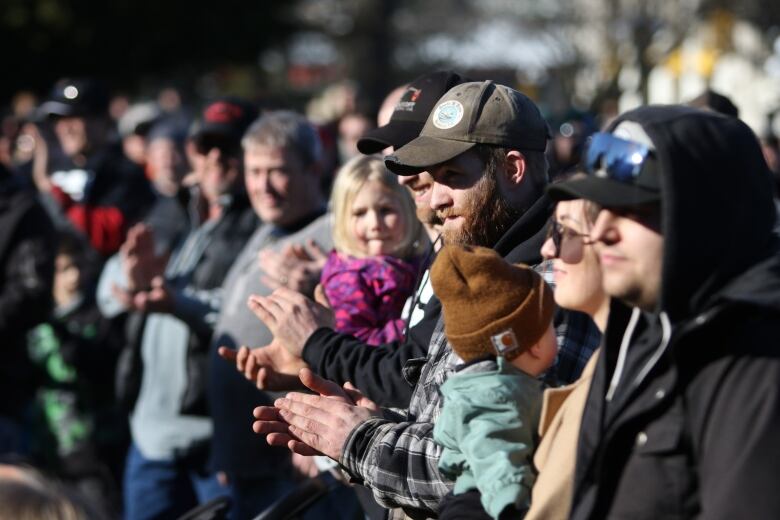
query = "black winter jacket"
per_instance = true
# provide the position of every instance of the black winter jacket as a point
(692, 431)
(27, 249)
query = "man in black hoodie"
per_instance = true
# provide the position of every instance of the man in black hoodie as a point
(683, 415)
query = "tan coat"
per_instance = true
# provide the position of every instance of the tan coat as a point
(556, 455)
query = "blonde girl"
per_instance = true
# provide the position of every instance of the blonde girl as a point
(378, 243)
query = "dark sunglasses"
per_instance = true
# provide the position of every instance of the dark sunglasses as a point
(614, 157)
(557, 232)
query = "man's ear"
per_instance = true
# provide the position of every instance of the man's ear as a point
(516, 166)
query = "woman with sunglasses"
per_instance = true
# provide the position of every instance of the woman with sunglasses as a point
(577, 287)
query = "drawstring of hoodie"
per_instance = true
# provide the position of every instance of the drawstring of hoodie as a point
(666, 334)
(621, 361)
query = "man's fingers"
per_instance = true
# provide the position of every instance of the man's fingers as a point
(299, 252)
(268, 427)
(264, 380)
(241, 357)
(358, 398)
(265, 309)
(318, 384)
(251, 367)
(278, 439)
(315, 414)
(269, 379)
(320, 296)
(307, 439)
(270, 282)
(266, 413)
(284, 295)
(354, 394)
(315, 251)
(302, 449)
(228, 354)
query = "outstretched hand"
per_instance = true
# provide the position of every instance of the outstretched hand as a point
(139, 259)
(291, 317)
(314, 424)
(270, 367)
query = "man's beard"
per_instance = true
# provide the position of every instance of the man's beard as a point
(486, 215)
(428, 216)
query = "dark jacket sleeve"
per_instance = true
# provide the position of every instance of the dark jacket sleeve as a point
(376, 371)
(468, 506)
(25, 299)
(736, 431)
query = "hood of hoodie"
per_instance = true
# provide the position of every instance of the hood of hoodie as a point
(717, 209)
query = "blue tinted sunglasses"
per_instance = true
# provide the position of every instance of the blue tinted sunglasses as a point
(622, 160)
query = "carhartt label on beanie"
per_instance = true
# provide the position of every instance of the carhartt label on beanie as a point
(490, 307)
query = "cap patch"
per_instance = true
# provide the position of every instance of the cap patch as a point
(409, 100)
(222, 112)
(504, 342)
(447, 114)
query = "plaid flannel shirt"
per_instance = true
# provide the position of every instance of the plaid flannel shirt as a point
(398, 458)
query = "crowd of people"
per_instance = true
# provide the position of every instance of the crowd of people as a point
(457, 313)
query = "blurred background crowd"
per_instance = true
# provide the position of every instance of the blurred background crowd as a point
(582, 61)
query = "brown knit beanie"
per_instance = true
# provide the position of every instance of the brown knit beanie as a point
(491, 307)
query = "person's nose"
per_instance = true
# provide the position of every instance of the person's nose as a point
(375, 222)
(440, 197)
(548, 249)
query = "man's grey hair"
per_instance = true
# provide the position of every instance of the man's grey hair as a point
(285, 129)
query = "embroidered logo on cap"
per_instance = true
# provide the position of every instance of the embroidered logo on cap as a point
(504, 342)
(447, 115)
(408, 100)
(222, 112)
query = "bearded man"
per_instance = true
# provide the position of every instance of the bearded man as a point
(483, 145)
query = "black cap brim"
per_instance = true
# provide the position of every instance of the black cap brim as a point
(395, 134)
(605, 192)
(424, 152)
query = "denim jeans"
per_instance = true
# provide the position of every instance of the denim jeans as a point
(166, 488)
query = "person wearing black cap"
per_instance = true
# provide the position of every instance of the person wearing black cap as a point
(683, 415)
(483, 144)
(175, 304)
(406, 122)
(90, 182)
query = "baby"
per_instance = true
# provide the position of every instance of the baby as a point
(498, 319)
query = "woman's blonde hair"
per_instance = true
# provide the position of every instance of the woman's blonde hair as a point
(349, 180)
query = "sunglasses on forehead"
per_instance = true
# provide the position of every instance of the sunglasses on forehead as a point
(614, 158)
